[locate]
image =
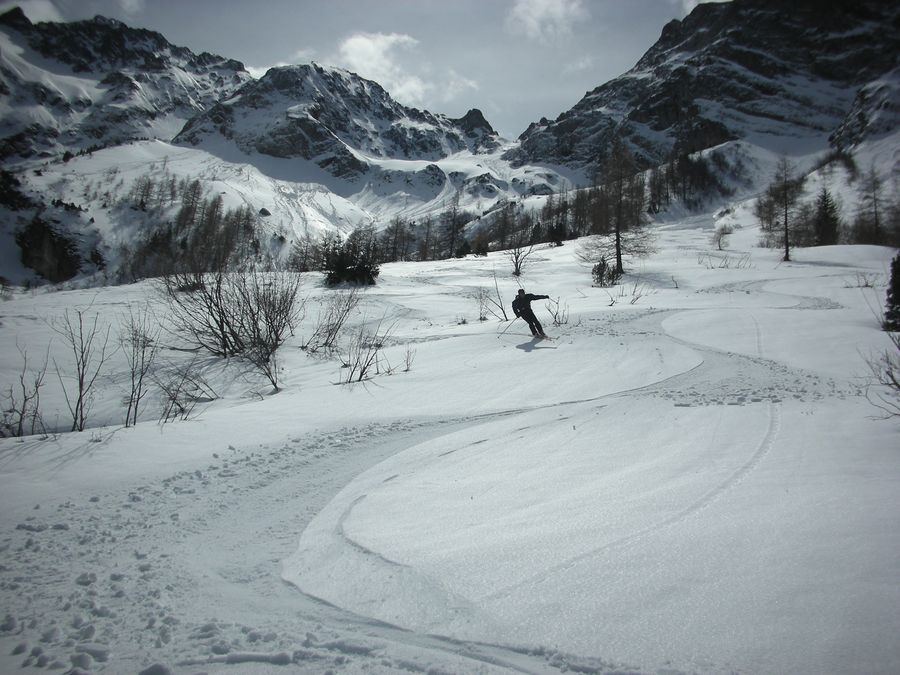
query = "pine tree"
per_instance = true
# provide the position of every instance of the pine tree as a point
(892, 312)
(826, 221)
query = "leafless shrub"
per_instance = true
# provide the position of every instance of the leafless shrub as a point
(204, 309)
(269, 313)
(88, 343)
(559, 313)
(21, 414)
(182, 387)
(637, 292)
(140, 343)
(246, 313)
(884, 388)
(724, 261)
(866, 280)
(408, 357)
(331, 319)
(364, 352)
(494, 303)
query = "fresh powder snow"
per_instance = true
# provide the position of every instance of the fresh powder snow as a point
(689, 477)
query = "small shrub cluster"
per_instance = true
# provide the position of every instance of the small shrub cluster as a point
(604, 274)
(353, 261)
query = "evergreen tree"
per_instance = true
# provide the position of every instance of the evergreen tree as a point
(892, 312)
(826, 221)
(354, 260)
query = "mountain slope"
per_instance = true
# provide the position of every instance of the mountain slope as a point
(784, 76)
(85, 84)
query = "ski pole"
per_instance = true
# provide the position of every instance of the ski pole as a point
(508, 327)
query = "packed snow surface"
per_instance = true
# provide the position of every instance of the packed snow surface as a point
(688, 478)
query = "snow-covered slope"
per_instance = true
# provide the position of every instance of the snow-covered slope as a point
(688, 479)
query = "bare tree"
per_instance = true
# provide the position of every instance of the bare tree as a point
(625, 189)
(88, 343)
(21, 412)
(140, 344)
(203, 309)
(601, 249)
(776, 208)
(869, 226)
(482, 298)
(521, 247)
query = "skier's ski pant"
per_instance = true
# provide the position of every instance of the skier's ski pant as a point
(532, 321)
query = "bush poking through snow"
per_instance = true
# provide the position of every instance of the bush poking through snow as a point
(21, 414)
(182, 387)
(885, 370)
(560, 314)
(334, 313)
(364, 358)
(246, 313)
(604, 274)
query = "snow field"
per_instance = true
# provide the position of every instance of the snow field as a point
(689, 482)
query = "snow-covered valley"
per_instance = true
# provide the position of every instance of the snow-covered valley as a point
(688, 478)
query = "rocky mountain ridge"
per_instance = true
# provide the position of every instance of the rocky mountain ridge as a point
(777, 73)
(336, 118)
(89, 84)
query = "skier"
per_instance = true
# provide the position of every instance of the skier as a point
(522, 308)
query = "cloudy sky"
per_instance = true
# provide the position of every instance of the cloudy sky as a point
(516, 60)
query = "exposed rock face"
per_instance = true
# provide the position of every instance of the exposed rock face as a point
(48, 252)
(759, 68)
(334, 117)
(73, 86)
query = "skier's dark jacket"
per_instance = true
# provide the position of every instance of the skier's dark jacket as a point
(522, 303)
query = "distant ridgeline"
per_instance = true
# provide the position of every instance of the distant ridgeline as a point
(329, 153)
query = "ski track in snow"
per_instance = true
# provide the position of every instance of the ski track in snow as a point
(754, 380)
(123, 567)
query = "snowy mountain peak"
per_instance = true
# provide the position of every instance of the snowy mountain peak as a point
(781, 75)
(335, 117)
(87, 84)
